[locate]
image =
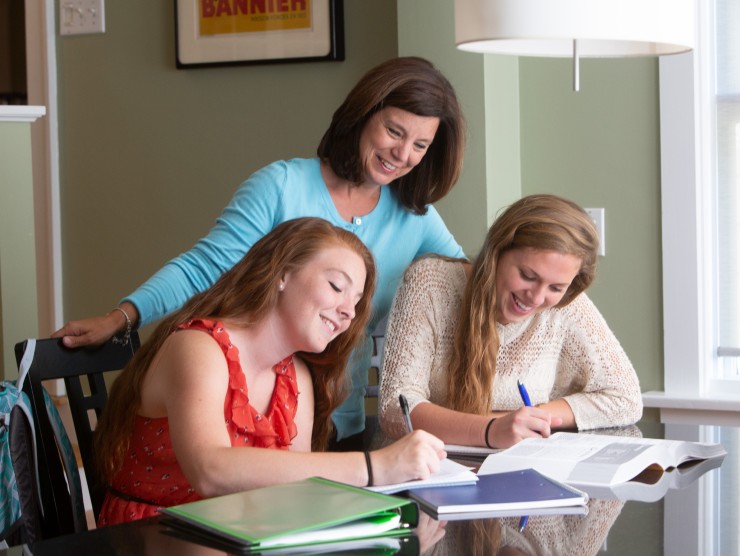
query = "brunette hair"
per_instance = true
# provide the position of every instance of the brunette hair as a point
(242, 296)
(414, 85)
(543, 222)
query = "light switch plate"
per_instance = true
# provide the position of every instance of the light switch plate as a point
(81, 17)
(597, 215)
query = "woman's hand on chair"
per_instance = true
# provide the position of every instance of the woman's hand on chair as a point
(94, 331)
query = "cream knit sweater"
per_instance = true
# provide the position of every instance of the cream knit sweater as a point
(567, 353)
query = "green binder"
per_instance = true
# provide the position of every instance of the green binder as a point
(302, 513)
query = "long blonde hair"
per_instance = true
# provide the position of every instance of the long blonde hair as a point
(243, 295)
(545, 222)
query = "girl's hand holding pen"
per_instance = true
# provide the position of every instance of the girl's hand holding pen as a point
(525, 422)
(417, 448)
(415, 456)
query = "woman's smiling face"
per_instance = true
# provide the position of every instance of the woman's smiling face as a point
(393, 142)
(531, 280)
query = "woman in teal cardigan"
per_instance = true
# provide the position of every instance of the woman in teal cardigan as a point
(394, 146)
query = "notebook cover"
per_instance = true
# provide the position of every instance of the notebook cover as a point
(251, 517)
(513, 491)
(494, 514)
(396, 543)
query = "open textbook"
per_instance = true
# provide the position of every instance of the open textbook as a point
(652, 484)
(593, 460)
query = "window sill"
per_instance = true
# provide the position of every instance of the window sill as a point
(694, 410)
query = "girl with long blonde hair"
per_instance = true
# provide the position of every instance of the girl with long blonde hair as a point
(461, 337)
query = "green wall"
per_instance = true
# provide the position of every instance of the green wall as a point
(488, 91)
(600, 147)
(531, 133)
(151, 154)
(18, 307)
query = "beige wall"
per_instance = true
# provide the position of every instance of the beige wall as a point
(151, 154)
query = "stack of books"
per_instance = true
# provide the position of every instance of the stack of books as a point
(554, 475)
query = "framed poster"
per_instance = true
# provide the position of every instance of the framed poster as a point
(226, 32)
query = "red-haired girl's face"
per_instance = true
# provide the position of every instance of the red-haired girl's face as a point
(317, 302)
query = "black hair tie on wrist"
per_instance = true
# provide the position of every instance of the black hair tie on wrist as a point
(369, 468)
(488, 428)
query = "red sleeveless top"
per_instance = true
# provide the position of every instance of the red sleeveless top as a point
(151, 478)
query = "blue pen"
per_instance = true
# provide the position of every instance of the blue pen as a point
(525, 398)
(525, 395)
(405, 411)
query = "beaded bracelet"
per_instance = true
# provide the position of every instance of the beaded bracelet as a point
(369, 468)
(488, 428)
(126, 333)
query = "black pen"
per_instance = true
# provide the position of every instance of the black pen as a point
(405, 411)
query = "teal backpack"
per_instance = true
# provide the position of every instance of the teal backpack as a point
(21, 514)
(19, 518)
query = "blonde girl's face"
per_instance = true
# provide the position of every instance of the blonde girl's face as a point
(531, 280)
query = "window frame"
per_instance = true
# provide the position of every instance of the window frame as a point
(692, 366)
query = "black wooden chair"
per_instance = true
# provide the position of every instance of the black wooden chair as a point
(83, 371)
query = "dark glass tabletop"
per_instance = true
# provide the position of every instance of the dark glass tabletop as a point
(700, 518)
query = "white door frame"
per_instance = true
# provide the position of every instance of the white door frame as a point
(41, 69)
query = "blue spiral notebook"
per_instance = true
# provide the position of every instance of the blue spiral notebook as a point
(498, 494)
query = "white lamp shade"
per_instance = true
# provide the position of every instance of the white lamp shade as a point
(549, 27)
